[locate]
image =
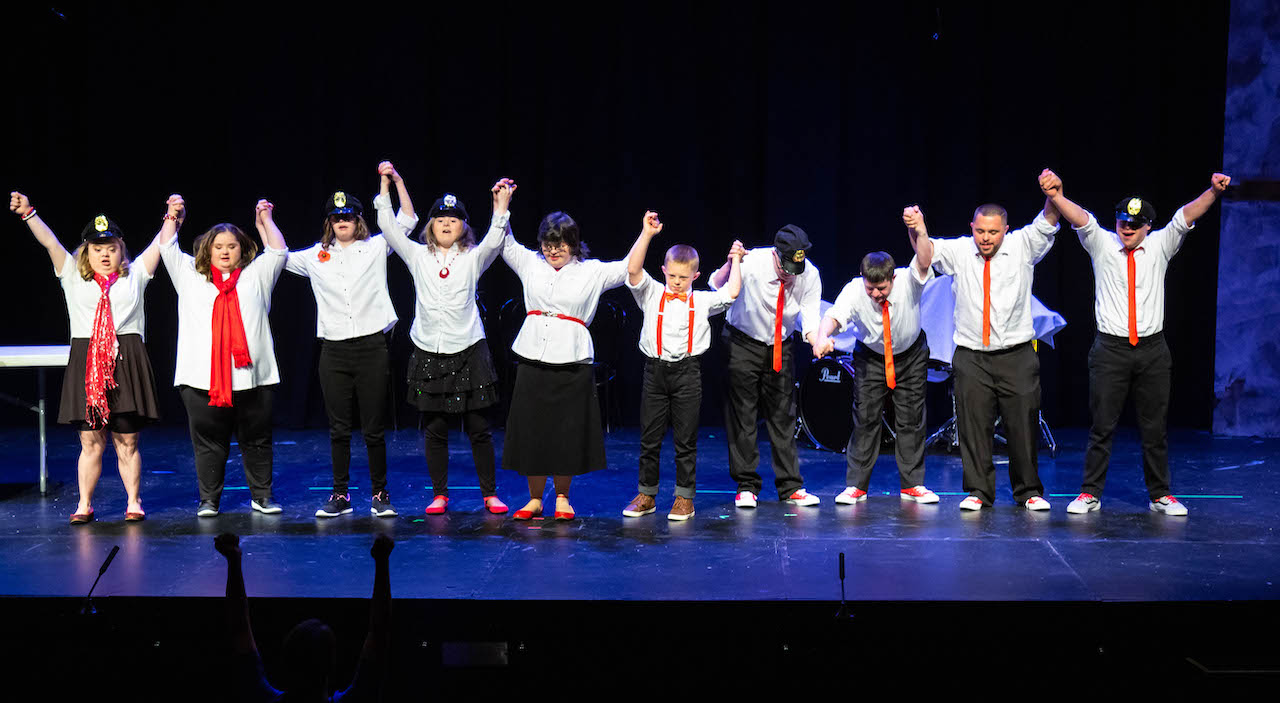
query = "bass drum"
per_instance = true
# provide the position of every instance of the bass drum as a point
(826, 402)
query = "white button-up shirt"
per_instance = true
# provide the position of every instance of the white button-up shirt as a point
(127, 309)
(350, 287)
(854, 307)
(1012, 270)
(195, 318)
(754, 311)
(675, 319)
(446, 319)
(574, 291)
(1111, 274)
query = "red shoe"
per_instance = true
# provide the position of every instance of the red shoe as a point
(494, 505)
(135, 516)
(82, 518)
(564, 515)
(438, 506)
(523, 514)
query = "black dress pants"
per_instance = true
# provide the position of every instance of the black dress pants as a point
(211, 429)
(1115, 368)
(1007, 381)
(355, 373)
(672, 397)
(436, 431)
(870, 389)
(754, 387)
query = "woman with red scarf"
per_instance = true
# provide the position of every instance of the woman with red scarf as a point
(108, 385)
(226, 368)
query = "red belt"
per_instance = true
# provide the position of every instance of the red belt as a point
(556, 314)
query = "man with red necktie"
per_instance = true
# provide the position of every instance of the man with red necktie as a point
(1129, 352)
(995, 368)
(779, 288)
(891, 359)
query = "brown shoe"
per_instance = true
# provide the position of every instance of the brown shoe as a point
(640, 505)
(682, 509)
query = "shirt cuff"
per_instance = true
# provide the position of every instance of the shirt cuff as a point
(382, 202)
(1042, 225)
(500, 221)
(1180, 221)
(1090, 225)
(408, 222)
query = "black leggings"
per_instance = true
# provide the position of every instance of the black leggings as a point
(436, 428)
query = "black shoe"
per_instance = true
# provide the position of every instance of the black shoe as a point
(381, 505)
(207, 509)
(266, 507)
(338, 504)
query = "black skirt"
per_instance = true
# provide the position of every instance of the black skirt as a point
(452, 383)
(135, 390)
(554, 425)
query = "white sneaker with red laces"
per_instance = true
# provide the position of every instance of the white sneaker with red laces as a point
(971, 503)
(851, 495)
(1085, 502)
(919, 494)
(803, 498)
(1169, 506)
(745, 499)
(1036, 503)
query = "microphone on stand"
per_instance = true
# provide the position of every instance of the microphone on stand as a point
(88, 608)
(843, 613)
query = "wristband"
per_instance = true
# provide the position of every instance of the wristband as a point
(30, 214)
(167, 216)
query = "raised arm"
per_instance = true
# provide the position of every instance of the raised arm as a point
(237, 610)
(21, 205)
(271, 235)
(721, 275)
(733, 287)
(650, 226)
(913, 218)
(174, 215)
(1196, 209)
(1051, 186)
(390, 175)
(377, 644)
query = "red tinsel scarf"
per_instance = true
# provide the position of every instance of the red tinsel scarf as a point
(100, 367)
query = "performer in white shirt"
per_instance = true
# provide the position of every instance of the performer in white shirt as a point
(108, 385)
(995, 367)
(553, 428)
(891, 359)
(348, 273)
(451, 374)
(226, 368)
(675, 333)
(1129, 351)
(779, 289)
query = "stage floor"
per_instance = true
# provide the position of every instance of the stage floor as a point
(1224, 550)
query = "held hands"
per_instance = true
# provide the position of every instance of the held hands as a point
(1050, 184)
(19, 203)
(737, 250)
(228, 545)
(388, 172)
(262, 212)
(913, 218)
(1220, 181)
(177, 208)
(651, 225)
(824, 346)
(502, 192)
(382, 546)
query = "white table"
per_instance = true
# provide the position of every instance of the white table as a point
(38, 358)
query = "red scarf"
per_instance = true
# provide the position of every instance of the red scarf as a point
(229, 343)
(100, 367)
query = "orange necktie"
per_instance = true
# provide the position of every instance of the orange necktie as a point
(777, 330)
(1133, 302)
(986, 303)
(888, 346)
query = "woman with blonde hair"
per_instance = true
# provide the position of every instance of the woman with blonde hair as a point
(108, 385)
(226, 368)
(451, 375)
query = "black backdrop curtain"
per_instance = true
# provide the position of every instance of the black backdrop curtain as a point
(729, 119)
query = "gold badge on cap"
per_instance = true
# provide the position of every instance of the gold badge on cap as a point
(1135, 206)
(339, 199)
(798, 257)
(100, 223)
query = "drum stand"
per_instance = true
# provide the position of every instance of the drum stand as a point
(951, 433)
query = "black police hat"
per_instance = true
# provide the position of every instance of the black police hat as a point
(1135, 210)
(101, 228)
(448, 205)
(792, 244)
(342, 204)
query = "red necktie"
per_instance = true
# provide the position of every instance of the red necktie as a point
(889, 376)
(662, 304)
(777, 329)
(1133, 302)
(986, 303)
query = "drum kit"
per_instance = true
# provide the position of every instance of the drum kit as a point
(825, 414)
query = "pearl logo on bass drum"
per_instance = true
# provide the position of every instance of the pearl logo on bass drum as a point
(829, 375)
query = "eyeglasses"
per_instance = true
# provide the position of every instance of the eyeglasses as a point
(1133, 225)
(551, 248)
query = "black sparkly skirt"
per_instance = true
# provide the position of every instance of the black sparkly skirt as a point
(452, 383)
(135, 390)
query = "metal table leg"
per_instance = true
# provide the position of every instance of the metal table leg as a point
(44, 467)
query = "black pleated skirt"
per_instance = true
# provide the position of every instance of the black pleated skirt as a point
(452, 383)
(554, 427)
(135, 390)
